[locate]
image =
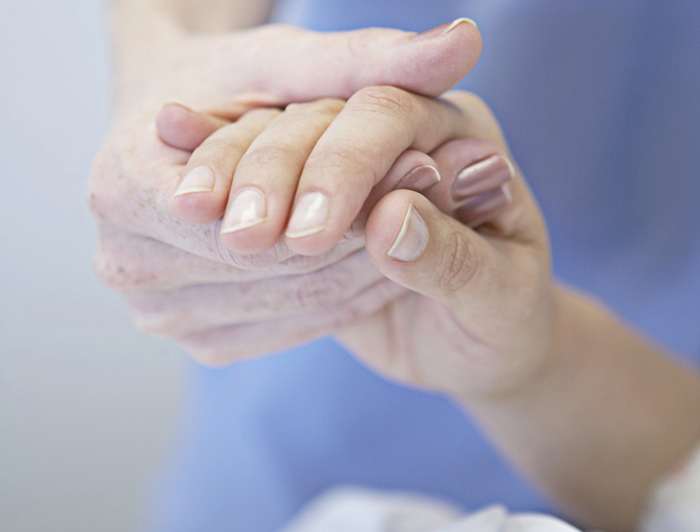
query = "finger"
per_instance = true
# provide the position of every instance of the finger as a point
(411, 242)
(266, 177)
(181, 127)
(413, 170)
(224, 345)
(429, 63)
(203, 190)
(376, 126)
(203, 307)
(480, 178)
(132, 264)
(339, 64)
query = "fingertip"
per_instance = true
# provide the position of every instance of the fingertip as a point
(180, 127)
(451, 49)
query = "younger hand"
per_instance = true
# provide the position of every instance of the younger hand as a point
(478, 322)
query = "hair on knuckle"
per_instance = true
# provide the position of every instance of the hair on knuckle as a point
(282, 152)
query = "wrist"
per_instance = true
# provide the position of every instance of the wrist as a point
(571, 317)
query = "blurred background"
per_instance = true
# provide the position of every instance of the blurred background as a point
(87, 404)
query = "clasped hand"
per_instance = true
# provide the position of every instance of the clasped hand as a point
(391, 218)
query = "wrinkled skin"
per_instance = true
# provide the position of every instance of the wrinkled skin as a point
(486, 305)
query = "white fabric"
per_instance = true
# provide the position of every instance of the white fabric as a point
(350, 509)
(675, 506)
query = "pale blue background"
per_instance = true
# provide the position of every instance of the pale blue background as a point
(86, 402)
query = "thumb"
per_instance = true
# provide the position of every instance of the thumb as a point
(297, 64)
(417, 246)
(278, 64)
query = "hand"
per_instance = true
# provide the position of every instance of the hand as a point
(143, 249)
(420, 119)
(328, 154)
(478, 320)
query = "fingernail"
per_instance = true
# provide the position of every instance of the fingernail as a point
(309, 217)
(200, 179)
(175, 102)
(354, 231)
(483, 207)
(247, 210)
(442, 30)
(412, 239)
(420, 178)
(481, 177)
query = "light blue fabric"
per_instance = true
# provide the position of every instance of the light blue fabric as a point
(599, 102)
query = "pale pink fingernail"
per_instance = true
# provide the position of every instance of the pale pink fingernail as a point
(482, 176)
(310, 216)
(420, 178)
(483, 207)
(442, 30)
(412, 239)
(247, 210)
(200, 179)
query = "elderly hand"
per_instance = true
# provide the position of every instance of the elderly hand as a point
(291, 152)
(144, 250)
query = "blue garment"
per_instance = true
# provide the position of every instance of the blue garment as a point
(599, 102)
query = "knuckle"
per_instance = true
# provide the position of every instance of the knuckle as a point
(281, 152)
(346, 160)
(97, 197)
(383, 99)
(458, 265)
(219, 147)
(121, 274)
(336, 158)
